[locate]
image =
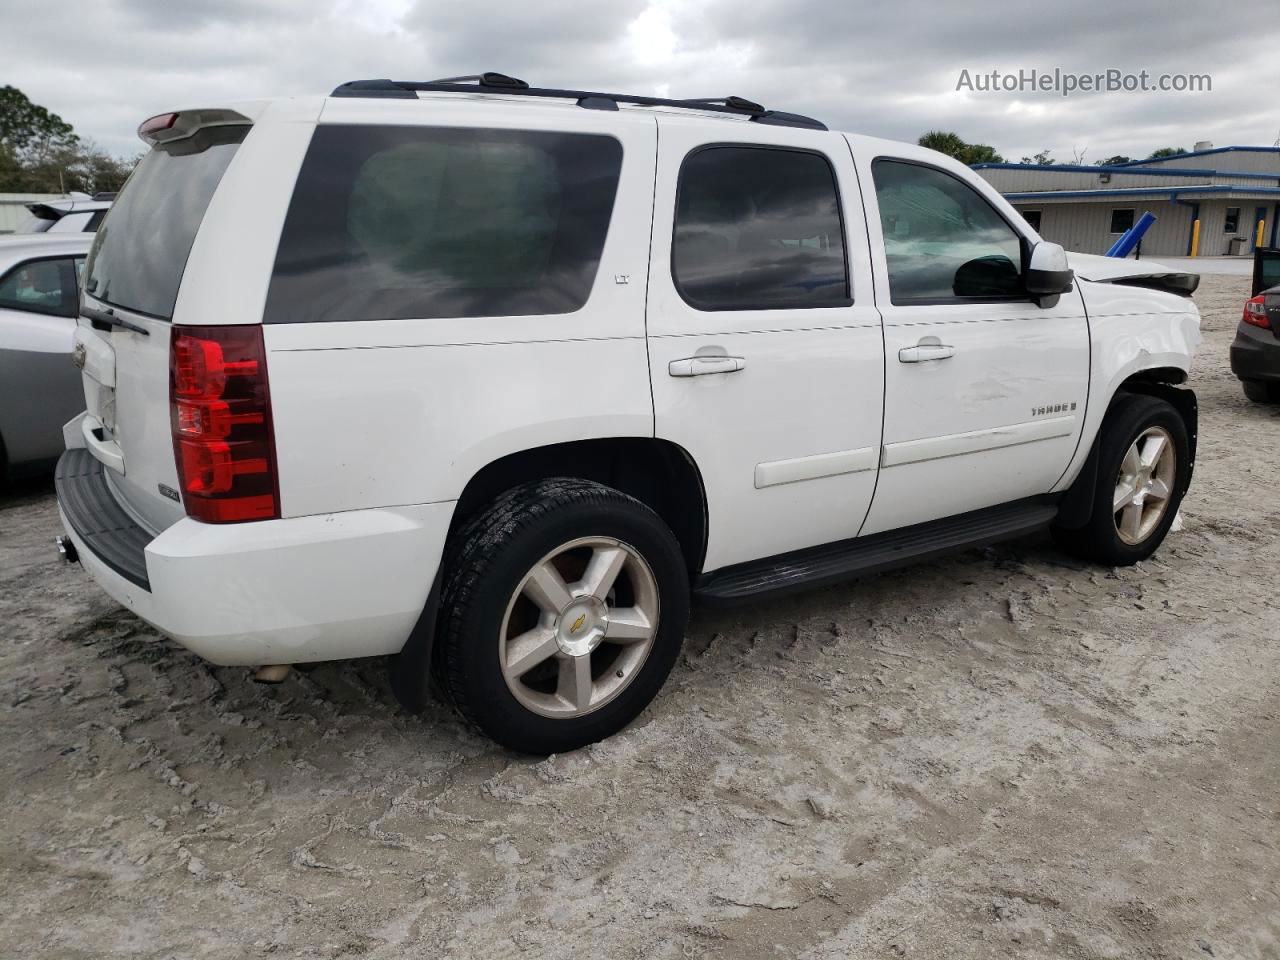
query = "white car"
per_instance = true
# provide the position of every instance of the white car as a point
(77, 213)
(40, 389)
(496, 379)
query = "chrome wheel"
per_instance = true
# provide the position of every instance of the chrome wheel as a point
(1145, 485)
(579, 627)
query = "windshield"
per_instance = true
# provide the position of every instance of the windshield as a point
(141, 248)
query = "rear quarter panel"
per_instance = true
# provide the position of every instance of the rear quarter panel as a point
(394, 412)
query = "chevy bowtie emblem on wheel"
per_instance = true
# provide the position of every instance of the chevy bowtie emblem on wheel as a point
(78, 354)
(577, 624)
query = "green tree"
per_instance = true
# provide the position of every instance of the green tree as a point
(1115, 161)
(1166, 152)
(28, 129)
(1042, 158)
(40, 152)
(952, 145)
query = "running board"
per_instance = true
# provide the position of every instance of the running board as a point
(861, 556)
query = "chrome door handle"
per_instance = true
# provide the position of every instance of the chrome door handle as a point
(700, 366)
(928, 349)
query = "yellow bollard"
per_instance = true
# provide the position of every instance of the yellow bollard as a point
(1195, 238)
(1262, 232)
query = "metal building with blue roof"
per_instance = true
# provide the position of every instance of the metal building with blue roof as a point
(1234, 193)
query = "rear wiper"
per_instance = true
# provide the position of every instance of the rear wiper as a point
(104, 319)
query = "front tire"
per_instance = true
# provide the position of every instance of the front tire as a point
(563, 610)
(1143, 469)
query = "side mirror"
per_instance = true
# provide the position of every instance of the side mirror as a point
(1048, 275)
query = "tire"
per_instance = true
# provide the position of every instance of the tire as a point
(578, 675)
(1111, 536)
(1260, 391)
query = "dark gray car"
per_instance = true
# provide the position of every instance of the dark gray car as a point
(40, 387)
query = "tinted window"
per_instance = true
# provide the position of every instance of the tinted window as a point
(1231, 223)
(758, 228)
(141, 249)
(1033, 219)
(942, 240)
(41, 286)
(1121, 220)
(390, 222)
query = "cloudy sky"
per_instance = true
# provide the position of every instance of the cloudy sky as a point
(884, 68)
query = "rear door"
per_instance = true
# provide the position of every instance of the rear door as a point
(39, 386)
(765, 346)
(985, 389)
(132, 279)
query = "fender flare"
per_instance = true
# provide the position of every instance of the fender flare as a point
(1077, 505)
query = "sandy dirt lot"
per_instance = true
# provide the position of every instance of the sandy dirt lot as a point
(1005, 753)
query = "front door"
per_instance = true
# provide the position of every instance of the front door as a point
(985, 390)
(765, 349)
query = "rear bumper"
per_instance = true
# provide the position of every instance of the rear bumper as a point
(323, 587)
(1255, 354)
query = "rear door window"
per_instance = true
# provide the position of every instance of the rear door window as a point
(141, 248)
(758, 228)
(432, 222)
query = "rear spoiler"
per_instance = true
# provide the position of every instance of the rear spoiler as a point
(45, 211)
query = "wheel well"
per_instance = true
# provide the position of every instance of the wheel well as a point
(1156, 382)
(656, 472)
(1170, 375)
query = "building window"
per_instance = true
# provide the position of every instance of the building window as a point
(1122, 220)
(1033, 219)
(1232, 223)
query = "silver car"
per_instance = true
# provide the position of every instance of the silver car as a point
(40, 387)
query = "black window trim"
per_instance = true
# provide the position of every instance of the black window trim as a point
(1226, 218)
(71, 258)
(1024, 242)
(1133, 218)
(848, 299)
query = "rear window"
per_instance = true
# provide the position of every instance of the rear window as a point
(141, 248)
(428, 222)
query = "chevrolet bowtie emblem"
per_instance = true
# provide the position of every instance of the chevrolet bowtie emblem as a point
(577, 624)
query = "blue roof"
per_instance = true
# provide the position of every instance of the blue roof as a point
(1205, 153)
(1171, 192)
(1133, 169)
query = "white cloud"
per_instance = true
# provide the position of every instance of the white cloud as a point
(884, 69)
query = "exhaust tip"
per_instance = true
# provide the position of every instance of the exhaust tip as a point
(67, 549)
(273, 673)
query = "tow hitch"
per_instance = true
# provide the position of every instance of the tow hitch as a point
(67, 549)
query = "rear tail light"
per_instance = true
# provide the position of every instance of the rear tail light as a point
(153, 128)
(1255, 313)
(220, 412)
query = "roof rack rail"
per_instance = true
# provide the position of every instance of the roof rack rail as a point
(491, 82)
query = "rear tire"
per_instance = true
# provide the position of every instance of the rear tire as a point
(1259, 391)
(563, 609)
(1143, 469)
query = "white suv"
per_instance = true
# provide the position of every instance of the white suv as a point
(496, 379)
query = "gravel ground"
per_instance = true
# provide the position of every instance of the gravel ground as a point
(1005, 753)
